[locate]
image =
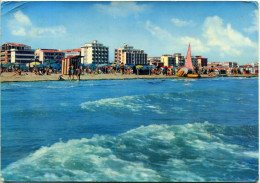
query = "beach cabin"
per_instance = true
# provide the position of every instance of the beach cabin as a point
(70, 61)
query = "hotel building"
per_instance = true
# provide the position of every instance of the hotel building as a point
(49, 54)
(168, 60)
(179, 59)
(128, 55)
(202, 61)
(94, 53)
(16, 53)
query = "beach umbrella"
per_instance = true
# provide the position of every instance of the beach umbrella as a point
(184, 69)
(50, 62)
(139, 66)
(40, 66)
(35, 63)
(56, 66)
(8, 64)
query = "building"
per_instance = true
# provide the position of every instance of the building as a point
(43, 55)
(179, 59)
(16, 53)
(168, 60)
(230, 64)
(214, 64)
(94, 53)
(202, 61)
(194, 61)
(154, 61)
(253, 64)
(128, 55)
(71, 53)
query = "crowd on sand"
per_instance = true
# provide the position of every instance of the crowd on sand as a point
(75, 73)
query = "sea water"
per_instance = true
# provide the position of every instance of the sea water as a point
(130, 130)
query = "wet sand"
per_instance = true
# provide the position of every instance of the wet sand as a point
(9, 77)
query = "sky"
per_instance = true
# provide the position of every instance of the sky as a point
(220, 31)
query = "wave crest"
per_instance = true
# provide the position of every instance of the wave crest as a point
(191, 152)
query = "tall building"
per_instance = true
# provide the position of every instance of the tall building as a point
(179, 59)
(128, 55)
(194, 61)
(16, 53)
(49, 54)
(202, 61)
(71, 53)
(94, 53)
(168, 60)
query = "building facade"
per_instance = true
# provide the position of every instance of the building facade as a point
(230, 64)
(16, 53)
(128, 55)
(156, 61)
(168, 60)
(43, 55)
(194, 61)
(95, 53)
(202, 61)
(214, 64)
(179, 59)
(22, 56)
(71, 53)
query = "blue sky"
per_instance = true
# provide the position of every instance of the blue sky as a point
(220, 31)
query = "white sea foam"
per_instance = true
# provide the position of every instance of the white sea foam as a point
(148, 153)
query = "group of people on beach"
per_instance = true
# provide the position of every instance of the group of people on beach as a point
(73, 71)
(78, 70)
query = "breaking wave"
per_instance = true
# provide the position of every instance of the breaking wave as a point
(190, 152)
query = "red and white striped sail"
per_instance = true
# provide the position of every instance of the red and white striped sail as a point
(188, 60)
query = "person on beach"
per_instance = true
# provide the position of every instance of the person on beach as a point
(60, 78)
(72, 72)
(69, 78)
(165, 71)
(235, 70)
(134, 69)
(211, 71)
(122, 68)
(114, 68)
(78, 74)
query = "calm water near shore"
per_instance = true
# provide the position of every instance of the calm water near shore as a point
(131, 130)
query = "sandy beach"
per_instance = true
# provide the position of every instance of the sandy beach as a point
(9, 77)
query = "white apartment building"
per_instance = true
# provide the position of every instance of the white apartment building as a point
(16, 53)
(179, 59)
(49, 54)
(128, 55)
(168, 60)
(22, 56)
(94, 53)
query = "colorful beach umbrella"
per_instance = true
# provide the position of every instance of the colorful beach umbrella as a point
(139, 66)
(35, 63)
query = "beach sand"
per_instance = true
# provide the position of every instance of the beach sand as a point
(9, 77)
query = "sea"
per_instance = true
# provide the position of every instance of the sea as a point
(130, 130)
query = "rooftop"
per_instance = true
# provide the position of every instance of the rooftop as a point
(16, 44)
(71, 50)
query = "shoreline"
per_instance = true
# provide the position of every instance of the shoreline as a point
(31, 77)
